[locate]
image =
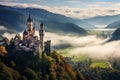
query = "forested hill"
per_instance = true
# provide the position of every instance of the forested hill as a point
(16, 64)
(22, 65)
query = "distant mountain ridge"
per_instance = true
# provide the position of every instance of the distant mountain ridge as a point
(15, 19)
(115, 24)
(48, 16)
(115, 35)
(102, 20)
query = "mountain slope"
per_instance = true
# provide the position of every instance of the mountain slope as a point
(11, 19)
(15, 19)
(115, 35)
(61, 27)
(102, 20)
(41, 14)
(115, 24)
(84, 24)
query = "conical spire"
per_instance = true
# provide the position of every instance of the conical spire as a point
(25, 32)
(34, 28)
(41, 24)
(29, 19)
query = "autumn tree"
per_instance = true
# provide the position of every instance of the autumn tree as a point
(3, 51)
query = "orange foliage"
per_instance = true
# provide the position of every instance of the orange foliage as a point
(3, 50)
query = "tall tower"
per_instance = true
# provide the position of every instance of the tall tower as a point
(30, 23)
(41, 34)
(47, 46)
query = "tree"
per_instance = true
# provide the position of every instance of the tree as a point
(30, 74)
(52, 76)
(7, 73)
(3, 51)
(79, 76)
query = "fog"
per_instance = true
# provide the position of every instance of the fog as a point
(3, 28)
(90, 45)
(99, 51)
(87, 12)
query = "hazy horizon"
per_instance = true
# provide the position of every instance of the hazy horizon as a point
(71, 8)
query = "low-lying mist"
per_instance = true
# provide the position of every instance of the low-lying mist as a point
(90, 45)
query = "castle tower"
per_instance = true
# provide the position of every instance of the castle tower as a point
(41, 34)
(33, 29)
(24, 34)
(30, 23)
(47, 49)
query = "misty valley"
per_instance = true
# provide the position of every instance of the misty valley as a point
(36, 44)
(95, 54)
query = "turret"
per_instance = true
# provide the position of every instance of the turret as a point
(30, 23)
(24, 34)
(41, 26)
(47, 45)
(41, 34)
(33, 29)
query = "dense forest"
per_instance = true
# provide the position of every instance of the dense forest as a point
(21, 65)
(111, 72)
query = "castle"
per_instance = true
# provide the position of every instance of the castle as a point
(30, 41)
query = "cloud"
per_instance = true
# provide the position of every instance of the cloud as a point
(91, 11)
(3, 28)
(61, 39)
(89, 45)
(10, 35)
(6, 0)
(99, 51)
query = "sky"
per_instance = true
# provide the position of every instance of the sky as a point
(72, 8)
(69, 3)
